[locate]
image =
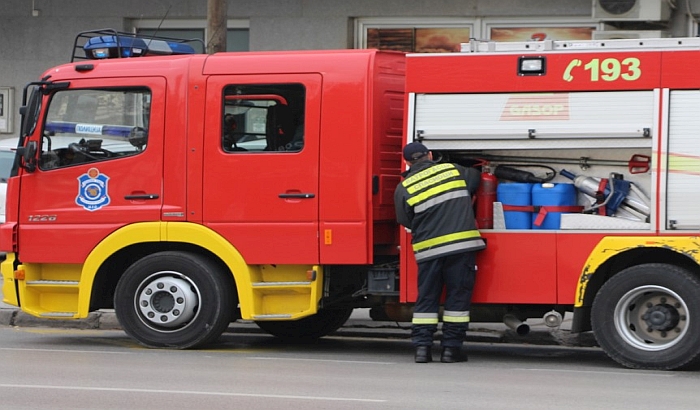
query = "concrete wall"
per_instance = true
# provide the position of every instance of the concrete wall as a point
(30, 44)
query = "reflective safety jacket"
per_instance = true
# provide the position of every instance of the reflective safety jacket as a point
(434, 202)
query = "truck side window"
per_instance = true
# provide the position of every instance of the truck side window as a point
(89, 125)
(263, 118)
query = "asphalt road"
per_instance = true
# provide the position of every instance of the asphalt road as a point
(44, 368)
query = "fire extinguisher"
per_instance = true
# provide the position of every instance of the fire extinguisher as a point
(485, 197)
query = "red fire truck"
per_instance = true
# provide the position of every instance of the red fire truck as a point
(186, 191)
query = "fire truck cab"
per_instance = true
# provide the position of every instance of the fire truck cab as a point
(187, 191)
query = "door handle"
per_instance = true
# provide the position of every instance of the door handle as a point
(299, 195)
(141, 196)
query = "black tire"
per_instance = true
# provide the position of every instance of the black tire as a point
(648, 317)
(174, 300)
(309, 328)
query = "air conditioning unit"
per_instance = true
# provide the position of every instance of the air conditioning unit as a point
(628, 34)
(631, 10)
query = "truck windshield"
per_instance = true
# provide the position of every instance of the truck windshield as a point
(93, 125)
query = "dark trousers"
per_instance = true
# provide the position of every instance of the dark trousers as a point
(456, 273)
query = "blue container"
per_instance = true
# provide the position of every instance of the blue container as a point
(515, 193)
(552, 195)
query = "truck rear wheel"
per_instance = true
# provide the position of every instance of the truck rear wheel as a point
(309, 328)
(648, 317)
(175, 300)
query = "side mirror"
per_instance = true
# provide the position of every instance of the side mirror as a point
(28, 154)
(30, 112)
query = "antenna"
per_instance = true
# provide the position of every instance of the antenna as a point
(155, 33)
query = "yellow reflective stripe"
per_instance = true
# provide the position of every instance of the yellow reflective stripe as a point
(436, 190)
(456, 313)
(455, 319)
(683, 164)
(476, 244)
(436, 200)
(424, 321)
(426, 173)
(429, 243)
(432, 181)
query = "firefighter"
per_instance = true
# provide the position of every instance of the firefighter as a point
(434, 203)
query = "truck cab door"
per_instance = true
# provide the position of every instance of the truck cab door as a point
(261, 165)
(99, 167)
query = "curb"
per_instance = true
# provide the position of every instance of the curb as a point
(479, 332)
(95, 320)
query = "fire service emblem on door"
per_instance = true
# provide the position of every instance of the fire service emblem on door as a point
(92, 190)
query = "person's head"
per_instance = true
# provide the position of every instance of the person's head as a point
(230, 124)
(415, 152)
(229, 130)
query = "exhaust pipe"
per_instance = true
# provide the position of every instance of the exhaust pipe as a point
(514, 323)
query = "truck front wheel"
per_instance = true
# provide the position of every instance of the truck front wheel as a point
(175, 300)
(648, 317)
(308, 328)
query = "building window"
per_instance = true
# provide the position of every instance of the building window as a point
(237, 39)
(419, 39)
(420, 36)
(447, 34)
(540, 29)
(237, 35)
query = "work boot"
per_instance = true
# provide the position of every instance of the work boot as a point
(423, 354)
(452, 355)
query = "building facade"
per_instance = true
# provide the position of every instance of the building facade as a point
(38, 34)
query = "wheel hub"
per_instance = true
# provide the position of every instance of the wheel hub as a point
(661, 317)
(651, 318)
(167, 301)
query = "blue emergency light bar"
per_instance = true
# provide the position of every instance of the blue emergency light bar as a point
(108, 43)
(115, 46)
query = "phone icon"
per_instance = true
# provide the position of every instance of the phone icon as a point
(567, 73)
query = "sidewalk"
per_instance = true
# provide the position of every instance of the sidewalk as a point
(359, 325)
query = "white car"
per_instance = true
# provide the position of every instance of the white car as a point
(8, 146)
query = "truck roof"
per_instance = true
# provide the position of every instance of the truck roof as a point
(259, 62)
